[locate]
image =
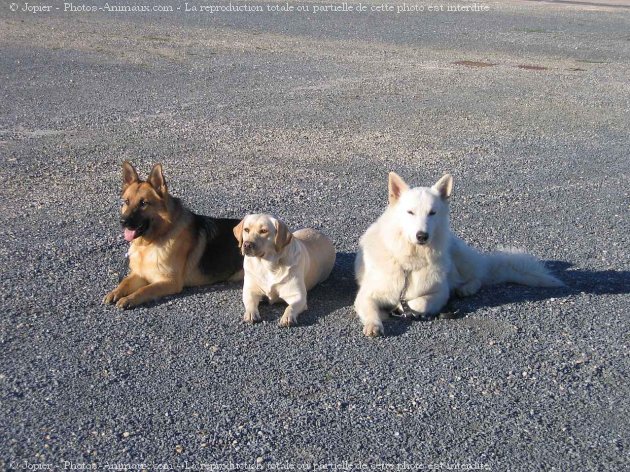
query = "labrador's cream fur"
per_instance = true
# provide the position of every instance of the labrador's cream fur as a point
(281, 265)
(410, 254)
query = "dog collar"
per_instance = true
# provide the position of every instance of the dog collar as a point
(407, 312)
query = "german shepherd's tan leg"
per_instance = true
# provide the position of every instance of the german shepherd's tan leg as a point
(128, 285)
(151, 292)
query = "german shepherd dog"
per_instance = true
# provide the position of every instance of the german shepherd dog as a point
(170, 246)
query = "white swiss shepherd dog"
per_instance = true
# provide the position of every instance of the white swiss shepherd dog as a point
(410, 254)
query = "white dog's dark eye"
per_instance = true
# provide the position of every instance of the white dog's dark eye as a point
(410, 212)
(246, 230)
(264, 231)
(432, 212)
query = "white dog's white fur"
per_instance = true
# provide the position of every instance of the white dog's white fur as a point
(281, 265)
(410, 254)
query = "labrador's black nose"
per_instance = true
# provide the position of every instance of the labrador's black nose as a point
(248, 245)
(422, 237)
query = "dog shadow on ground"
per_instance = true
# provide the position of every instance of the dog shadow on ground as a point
(197, 290)
(605, 282)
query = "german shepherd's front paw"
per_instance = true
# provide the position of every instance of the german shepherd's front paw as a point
(112, 297)
(125, 303)
(251, 317)
(373, 330)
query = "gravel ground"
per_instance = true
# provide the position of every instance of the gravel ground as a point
(302, 115)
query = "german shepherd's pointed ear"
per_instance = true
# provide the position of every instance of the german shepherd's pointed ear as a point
(156, 179)
(397, 187)
(444, 186)
(130, 175)
(238, 232)
(283, 235)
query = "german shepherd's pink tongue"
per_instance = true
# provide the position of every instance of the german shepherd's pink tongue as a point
(130, 234)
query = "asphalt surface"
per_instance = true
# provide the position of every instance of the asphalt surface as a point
(302, 115)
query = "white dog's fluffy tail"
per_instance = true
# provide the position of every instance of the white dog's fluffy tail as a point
(515, 265)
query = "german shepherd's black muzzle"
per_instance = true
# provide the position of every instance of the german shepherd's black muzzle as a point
(135, 223)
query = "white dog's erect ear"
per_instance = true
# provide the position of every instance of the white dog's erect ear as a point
(156, 179)
(283, 235)
(238, 232)
(444, 186)
(397, 187)
(129, 175)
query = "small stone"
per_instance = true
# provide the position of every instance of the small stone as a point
(179, 449)
(126, 434)
(259, 460)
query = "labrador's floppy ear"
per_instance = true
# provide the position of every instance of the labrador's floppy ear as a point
(283, 235)
(397, 187)
(129, 175)
(444, 186)
(238, 232)
(157, 181)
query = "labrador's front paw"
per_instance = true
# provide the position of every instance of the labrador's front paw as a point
(287, 320)
(251, 317)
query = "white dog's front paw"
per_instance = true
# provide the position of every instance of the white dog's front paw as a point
(373, 330)
(469, 288)
(251, 317)
(287, 320)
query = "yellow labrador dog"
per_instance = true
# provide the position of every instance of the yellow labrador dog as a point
(281, 265)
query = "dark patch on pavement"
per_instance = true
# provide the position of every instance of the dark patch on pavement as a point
(528, 67)
(474, 64)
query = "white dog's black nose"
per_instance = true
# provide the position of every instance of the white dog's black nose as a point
(248, 245)
(422, 237)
